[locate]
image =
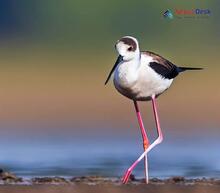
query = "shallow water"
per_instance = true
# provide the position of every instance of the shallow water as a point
(110, 157)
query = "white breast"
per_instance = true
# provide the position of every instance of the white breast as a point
(138, 81)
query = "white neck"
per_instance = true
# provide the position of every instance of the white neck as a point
(127, 72)
(135, 62)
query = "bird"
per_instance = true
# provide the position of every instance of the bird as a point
(142, 76)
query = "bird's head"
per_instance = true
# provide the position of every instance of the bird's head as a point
(128, 48)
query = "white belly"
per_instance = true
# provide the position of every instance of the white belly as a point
(140, 84)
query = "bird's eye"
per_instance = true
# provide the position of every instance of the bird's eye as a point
(130, 48)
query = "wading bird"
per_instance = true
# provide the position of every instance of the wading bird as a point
(142, 76)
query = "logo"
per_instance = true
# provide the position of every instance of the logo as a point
(168, 14)
(187, 13)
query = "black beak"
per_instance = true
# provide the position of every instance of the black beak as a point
(119, 59)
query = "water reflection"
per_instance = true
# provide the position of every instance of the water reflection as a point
(167, 160)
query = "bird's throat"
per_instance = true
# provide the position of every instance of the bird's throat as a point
(127, 74)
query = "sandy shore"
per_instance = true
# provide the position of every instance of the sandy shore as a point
(10, 183)
(96, 184)
(81, 188)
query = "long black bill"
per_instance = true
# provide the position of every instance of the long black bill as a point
(119, 59)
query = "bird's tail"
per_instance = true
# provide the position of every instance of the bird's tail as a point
(182, 69)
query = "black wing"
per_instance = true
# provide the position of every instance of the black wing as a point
(164, 71)
(162, 66)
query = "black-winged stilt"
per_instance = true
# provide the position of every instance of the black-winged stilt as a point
(142, 76)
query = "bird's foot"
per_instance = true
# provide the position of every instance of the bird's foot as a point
(126, 176)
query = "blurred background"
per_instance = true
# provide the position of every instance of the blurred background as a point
(58, 118)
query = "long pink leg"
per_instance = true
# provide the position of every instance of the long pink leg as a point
(156, 142)
(144, 137)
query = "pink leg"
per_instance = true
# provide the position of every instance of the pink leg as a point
(146, 142)
(156, 142)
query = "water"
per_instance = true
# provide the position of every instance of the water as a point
(110, 157)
